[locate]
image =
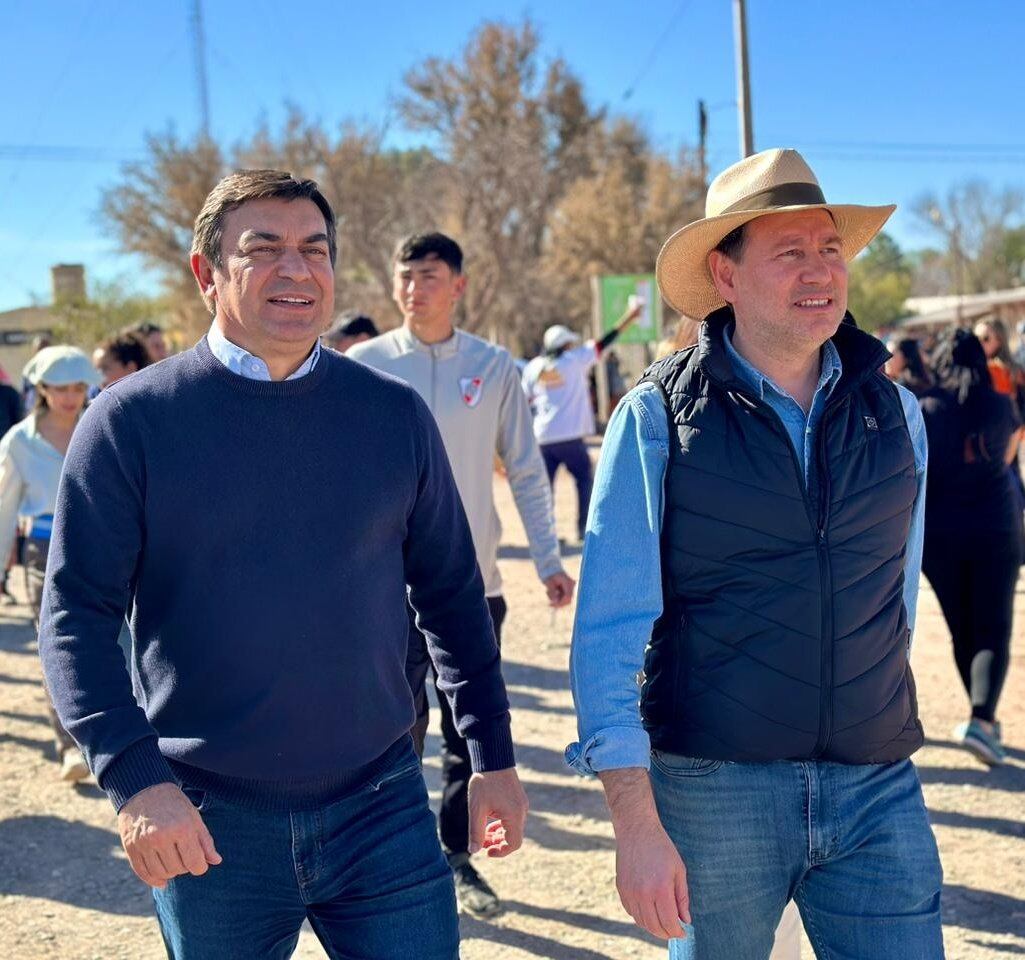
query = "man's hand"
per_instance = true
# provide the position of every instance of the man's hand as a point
(559, 587)
(650, 875)
(498, 812)
(651, 879)
(164, 836)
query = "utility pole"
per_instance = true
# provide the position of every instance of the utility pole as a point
(199, 55)
(702, 141)
(743, 80)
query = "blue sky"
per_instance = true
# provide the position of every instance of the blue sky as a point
(885, 98)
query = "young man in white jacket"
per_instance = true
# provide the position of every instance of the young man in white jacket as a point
(473, 390)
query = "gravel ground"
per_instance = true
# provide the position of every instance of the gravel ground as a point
(66, 890)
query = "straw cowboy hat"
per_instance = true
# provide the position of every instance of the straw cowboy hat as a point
(773, 181)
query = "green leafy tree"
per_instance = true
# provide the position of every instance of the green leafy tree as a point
(111, 308)
(879, 282)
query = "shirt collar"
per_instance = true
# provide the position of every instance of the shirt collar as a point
(242, 362)
(445, 348)
(832, 369)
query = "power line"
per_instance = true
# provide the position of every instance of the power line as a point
(650, 59)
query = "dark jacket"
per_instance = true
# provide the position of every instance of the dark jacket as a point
(784, 634)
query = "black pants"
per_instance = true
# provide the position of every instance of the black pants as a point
(454, 815)
(573, 454)
(974, 577)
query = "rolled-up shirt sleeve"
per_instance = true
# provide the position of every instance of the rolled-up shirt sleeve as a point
(620, 593)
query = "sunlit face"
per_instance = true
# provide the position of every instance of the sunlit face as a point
(897, 363)
(275, 286)
(426, 291)
(989, 339)
(68, 399)
(156, 345)
(110, 368)
(790, 283)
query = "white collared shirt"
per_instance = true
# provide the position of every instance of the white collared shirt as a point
(245, 364)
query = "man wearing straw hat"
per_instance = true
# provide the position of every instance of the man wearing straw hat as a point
(753, 556)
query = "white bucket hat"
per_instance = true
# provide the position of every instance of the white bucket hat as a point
(773, 181)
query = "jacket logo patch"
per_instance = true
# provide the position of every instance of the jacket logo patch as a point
(471, 389)
(871, 423)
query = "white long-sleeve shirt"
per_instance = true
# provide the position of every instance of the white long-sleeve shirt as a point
(30, 469)
(473, 389)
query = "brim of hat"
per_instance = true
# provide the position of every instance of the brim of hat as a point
(682, 270)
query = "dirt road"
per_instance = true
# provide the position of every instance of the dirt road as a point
(66, 890)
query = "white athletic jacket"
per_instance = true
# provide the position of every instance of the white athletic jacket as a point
(473, 389)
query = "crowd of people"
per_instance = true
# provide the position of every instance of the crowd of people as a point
(38, 423)
(753, 541)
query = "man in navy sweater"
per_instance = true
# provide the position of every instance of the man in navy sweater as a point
(263, 772)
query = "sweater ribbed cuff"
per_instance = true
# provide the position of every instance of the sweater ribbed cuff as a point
(140, 766)
(491, 748)
(549, 567)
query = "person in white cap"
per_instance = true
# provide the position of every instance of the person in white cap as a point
(752, 559)
(556, 385)
(31, 456)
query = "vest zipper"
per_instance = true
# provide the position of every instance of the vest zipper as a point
(819, 523)
(826, 578)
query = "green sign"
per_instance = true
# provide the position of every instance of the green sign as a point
(615, 301)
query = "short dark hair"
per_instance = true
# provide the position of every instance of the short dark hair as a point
(732, 245)
(127, 348)
(351, 324)
(419, 246)
(245, 185)
(146, 328)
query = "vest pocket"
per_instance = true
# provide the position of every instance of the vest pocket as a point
(677, 765)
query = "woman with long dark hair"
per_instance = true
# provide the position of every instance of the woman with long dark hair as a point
(973, 527)
(907, 367)
(31, 457)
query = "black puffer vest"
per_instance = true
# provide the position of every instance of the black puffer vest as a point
(783, 633)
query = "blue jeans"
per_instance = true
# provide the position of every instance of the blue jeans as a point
(366, 870)
(851, 844)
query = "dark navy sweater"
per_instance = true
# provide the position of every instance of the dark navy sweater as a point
(262, 536)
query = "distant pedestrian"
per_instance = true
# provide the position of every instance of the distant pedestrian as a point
(907, 367)
(1008, 378)
(685, 334)
(153, 339)
(472, 389)
(31, 457)
(349, 329)
(557, 389)
(973, 528)
(119, 356)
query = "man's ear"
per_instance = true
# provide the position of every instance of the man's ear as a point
(203, 271)
(723, 273)
(460, 287)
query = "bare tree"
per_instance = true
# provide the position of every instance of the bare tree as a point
(152, 210)
(378, 194)
(616, 220)
(975, 224)
(514, 135)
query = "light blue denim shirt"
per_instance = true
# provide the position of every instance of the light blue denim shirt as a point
(245, 364)
(620, 593)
